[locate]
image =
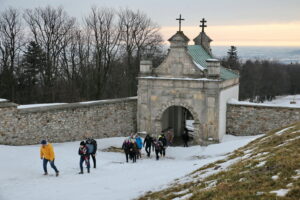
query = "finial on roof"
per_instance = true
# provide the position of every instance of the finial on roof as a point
(203, 25)
(202, 39)
(180, 19)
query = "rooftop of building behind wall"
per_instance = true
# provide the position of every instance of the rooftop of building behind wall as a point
(200, 56)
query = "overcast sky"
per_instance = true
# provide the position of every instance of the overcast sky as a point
(235, 17)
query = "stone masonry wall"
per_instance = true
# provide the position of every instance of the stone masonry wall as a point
(69, 122)
(253, 120)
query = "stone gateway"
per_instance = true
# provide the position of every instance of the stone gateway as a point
(189, 86)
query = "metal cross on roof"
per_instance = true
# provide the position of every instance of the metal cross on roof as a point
(180, 19)
(203, 25)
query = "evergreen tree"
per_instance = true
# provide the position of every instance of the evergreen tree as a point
(32, 64)
(232, 61)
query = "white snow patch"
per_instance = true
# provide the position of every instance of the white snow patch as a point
(113, 179)
(259, 193)
(246, 156)
(3, 100)
(286, 100)
(211, 184)
(268, 104)
(189, 125)
(181, 192)
(199, 66)
(290, 185)
(283, 130)
(104, 100)
(183, 78)
(39, 105)
(260, 156)
(183, 197)
(248, 151)
(208, 172)
(242, 179)
(275, 178)
(297, 176)
(262, 163)
(287, 141)
(96, 101)
(281, 192)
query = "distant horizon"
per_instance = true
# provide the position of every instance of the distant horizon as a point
(244, 35)
(237, 23)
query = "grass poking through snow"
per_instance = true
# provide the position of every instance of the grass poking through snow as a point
(267, 168)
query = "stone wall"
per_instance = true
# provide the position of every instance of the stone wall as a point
(68, 122)
(253, 120)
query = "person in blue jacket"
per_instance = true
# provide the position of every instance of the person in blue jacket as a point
(139, 143)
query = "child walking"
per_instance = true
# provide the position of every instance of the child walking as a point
(84, 157)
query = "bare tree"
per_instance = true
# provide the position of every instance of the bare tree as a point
(105, 33)
(68, 61)
(10, 46)
(138, 33)
(50, 29)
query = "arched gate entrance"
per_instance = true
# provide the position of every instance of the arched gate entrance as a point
(177, 118)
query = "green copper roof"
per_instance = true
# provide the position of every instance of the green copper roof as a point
(227, 74)
(200, 56)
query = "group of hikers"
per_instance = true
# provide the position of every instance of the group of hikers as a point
(132, 147)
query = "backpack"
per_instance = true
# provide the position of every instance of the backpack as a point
(90, 148)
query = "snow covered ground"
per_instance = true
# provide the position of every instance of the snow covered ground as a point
(280, 101)
(39, 105)
(21, 171)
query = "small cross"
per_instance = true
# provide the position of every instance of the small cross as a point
(180, 19)
(203, 21)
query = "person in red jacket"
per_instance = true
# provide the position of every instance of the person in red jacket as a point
(84, 157)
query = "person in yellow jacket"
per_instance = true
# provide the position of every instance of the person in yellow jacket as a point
(47, 155)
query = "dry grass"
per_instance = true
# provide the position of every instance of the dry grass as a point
(250, 177)
(113, 149)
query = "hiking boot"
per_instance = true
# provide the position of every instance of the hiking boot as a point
(80, 173)
(57, 174)
(88, 170)
(46, 173)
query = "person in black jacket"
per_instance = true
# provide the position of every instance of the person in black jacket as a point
(84, 157)
(92, 146)
(148, 141)
(158, 146)
(164, 142)
(185, 137)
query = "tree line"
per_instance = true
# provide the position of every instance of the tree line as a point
(263, 80)
(48, 56)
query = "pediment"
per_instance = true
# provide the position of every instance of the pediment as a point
(177, 64)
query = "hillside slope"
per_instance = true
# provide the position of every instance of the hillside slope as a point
(267, 168)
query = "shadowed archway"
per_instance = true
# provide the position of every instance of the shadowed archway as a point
(178, 116)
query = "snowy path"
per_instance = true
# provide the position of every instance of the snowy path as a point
(21, 171)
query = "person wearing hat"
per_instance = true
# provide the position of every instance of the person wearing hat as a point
(84, 157)
(47, 155)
